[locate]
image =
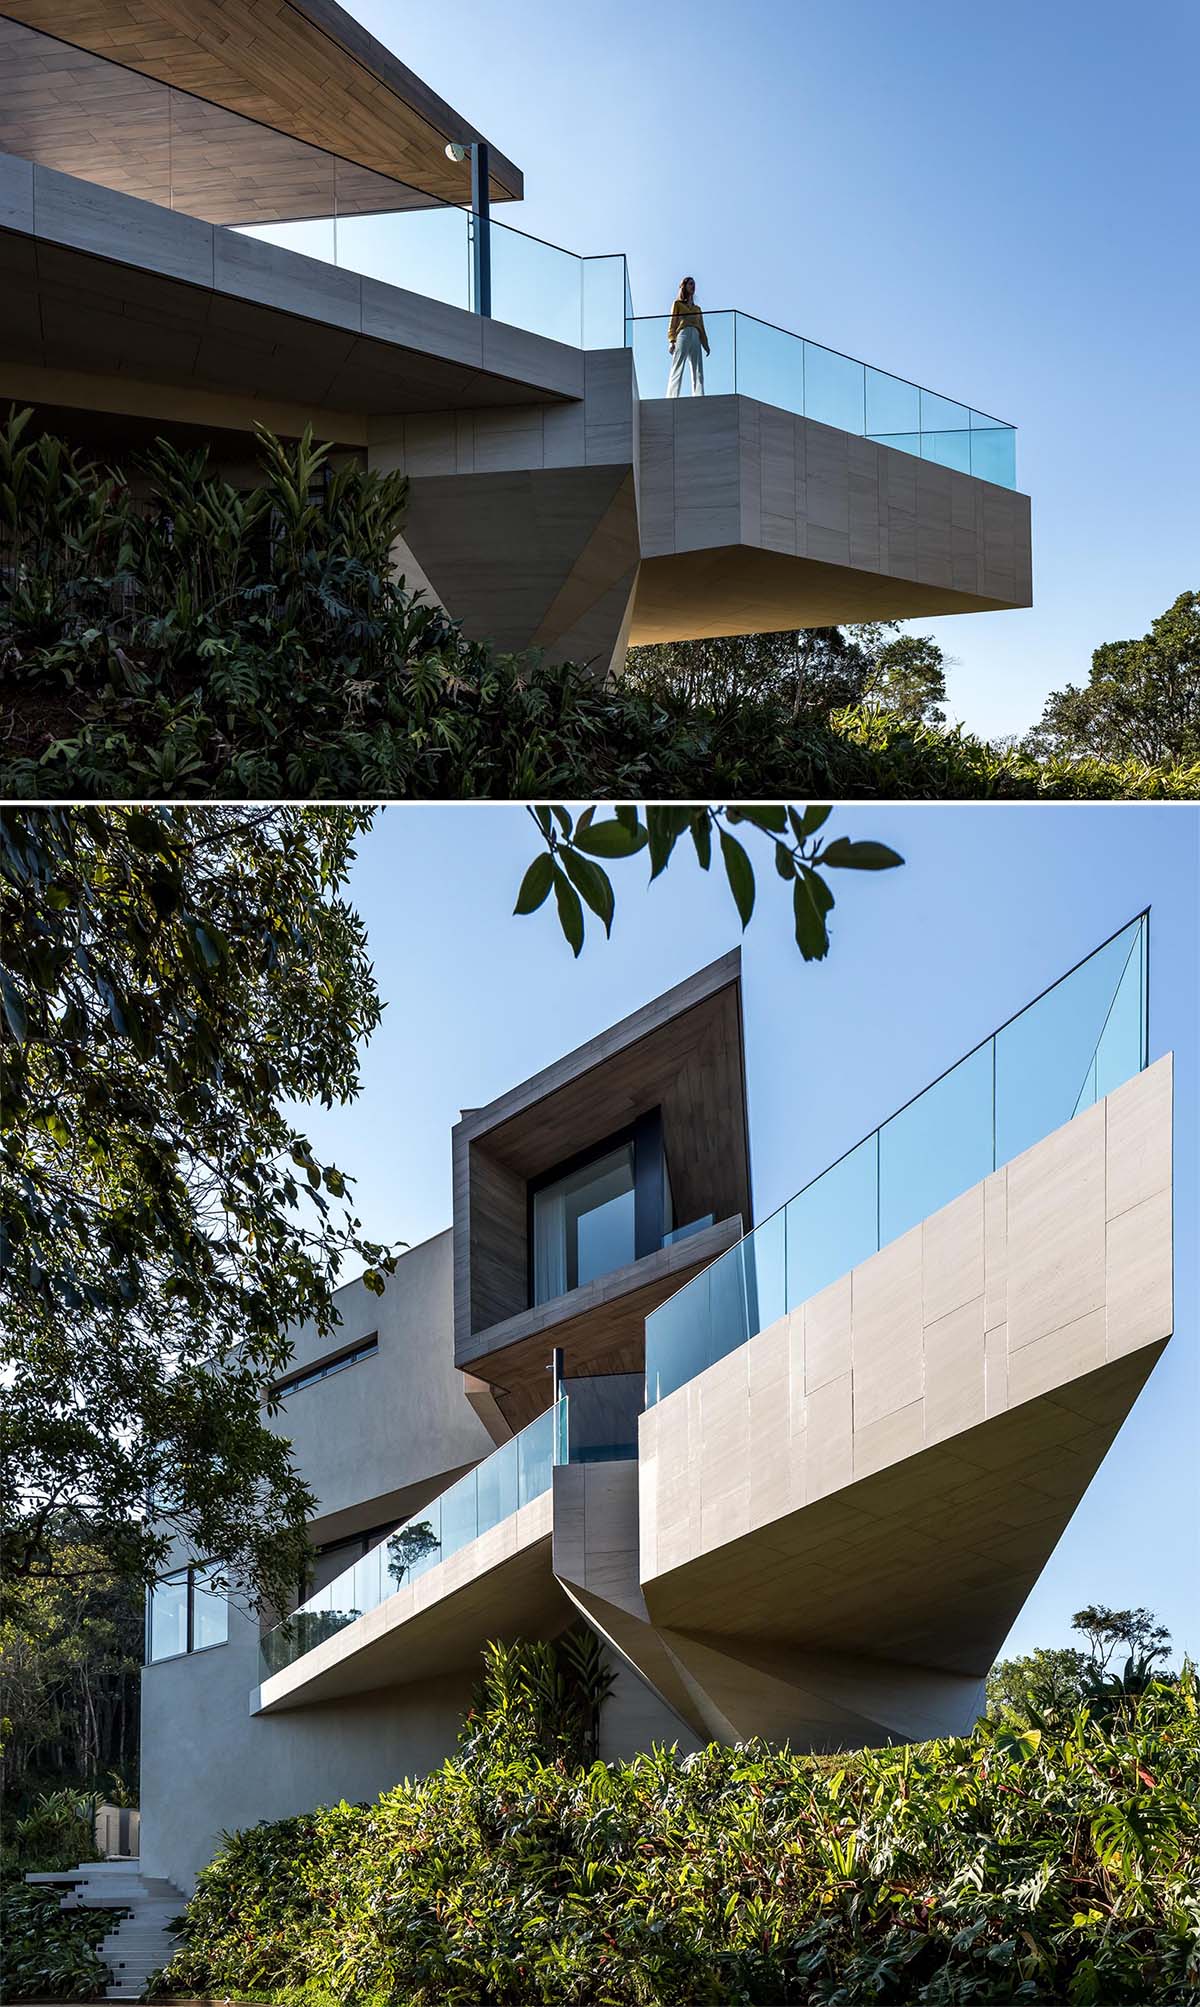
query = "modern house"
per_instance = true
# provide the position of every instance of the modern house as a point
(250, 211)
(798, 1475)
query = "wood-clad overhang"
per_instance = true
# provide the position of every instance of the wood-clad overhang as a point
(683, 1054)
(91, 102)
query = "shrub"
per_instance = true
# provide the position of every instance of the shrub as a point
(49, 1953)
(166, 635)
(1008, 1865)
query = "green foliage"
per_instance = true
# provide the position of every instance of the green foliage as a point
(1010, 1865)
(50, 1953)
(163, 635)
(1049, 1685)
(908, 678)
(1142, 698)
(541, 1699)
(70, 1659)
(57, 1831)
(174, 985)
(569, 864)
(1046, 1684)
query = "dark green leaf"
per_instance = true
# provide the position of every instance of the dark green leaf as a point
(702, 839)
(768, 816)
(610, 839)
(844, 855)
(811, 936)
(809, 821)
(570, 912)
(591, 883)
(740, 874)
(535, 884)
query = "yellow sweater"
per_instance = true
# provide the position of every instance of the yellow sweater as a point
(684, 315)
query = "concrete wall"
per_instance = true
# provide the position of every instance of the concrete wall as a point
(208, 1767)
(753, 517)
(386, 1434)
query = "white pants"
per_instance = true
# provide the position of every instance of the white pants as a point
(687, 350)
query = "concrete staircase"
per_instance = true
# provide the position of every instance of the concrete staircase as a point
(139, 1941)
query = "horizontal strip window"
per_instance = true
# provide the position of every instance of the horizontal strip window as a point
(311, 1374)
(185, 1612)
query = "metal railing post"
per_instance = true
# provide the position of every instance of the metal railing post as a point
(481, 247)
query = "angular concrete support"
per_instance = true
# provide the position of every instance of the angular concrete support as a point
(595, 1552)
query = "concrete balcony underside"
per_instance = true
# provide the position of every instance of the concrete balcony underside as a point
(107, 300)
(499, 1585)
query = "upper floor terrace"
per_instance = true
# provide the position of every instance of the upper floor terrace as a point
(255, 213)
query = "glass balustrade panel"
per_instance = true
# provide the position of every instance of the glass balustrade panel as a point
(834, 388)
(937, 1147)
(833, 1224)
(425, 251)
(536, 286)
(1045, 1058)
(770, 363)
(605, 298)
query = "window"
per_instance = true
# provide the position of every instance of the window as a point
(186, 1613)
(365, 1349)
(583, 1224)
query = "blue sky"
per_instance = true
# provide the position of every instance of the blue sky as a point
(996, 201)
(991, 906)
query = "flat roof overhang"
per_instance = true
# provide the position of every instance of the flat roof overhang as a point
(303, 68)
(107, 286)
(500, 1585)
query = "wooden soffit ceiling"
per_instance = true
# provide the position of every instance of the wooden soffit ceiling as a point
(304, 68)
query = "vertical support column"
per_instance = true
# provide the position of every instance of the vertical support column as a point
(481, 214)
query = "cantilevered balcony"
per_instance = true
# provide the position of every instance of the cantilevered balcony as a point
(868, 1425)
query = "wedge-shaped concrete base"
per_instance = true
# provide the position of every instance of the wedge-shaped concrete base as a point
(841, 1520)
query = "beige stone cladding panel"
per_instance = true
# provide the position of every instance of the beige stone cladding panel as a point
(1051, 1267)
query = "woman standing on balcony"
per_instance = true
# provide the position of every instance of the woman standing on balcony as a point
(687, 340)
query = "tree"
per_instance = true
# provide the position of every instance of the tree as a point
(71, 1648)
(810, 671)
(1046, 1684)
(1051, 1682)
(908, 679)
(1141, 701)
(1107, 1631)
(170, 981)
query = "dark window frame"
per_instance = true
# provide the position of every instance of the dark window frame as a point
(191, 1649)
(646, 1135)
(308, 1376)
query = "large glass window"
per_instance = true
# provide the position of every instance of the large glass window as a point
(210, 1611)
(583, 1224)
(168, 1616)
(187, 1613)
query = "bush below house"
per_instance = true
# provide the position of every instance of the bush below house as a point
(49, 1953)
(1015, 1864)
(163, 634)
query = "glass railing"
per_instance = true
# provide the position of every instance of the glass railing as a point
(583, 302)
(783, 369)
(520, 1470)
(602, 1412)
(1063, 1052)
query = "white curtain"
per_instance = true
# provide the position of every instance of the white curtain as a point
(549, 1245)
